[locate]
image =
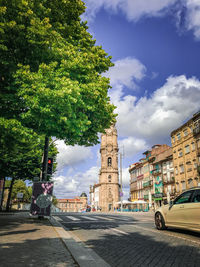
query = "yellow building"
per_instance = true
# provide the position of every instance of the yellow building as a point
(186, 153)
(133, 170)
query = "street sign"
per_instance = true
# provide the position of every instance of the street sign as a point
(20, 195)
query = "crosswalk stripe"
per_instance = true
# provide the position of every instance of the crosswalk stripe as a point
(89, 218)
(104, 218)
(73, 218)
(58, 218)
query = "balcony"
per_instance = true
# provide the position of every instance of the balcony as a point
(133, 187)
(147, 184)
(141, 176)
(146, 197)
(156, 171)
(196, 130)
(170, 181)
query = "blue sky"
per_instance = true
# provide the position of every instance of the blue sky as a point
(155, 45)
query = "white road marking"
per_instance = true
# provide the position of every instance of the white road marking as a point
(89, 218)
(119, 231)
(73, 218)
(104, 218)
(58, 218)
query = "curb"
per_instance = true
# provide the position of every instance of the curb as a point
(83, 255)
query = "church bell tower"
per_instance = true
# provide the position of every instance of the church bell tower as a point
(109, 175)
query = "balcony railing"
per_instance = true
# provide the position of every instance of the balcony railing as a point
(196, 130)
(170, 181)
(156, 171)
(147, 184)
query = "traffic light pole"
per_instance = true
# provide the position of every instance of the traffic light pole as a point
(45, 159)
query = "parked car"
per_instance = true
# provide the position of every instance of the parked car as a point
(183, 212)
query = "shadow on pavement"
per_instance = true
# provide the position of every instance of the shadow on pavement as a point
(145, 249)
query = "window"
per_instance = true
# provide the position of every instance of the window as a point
(193, 146)
(109, 178)
(109, 161)
(181, 168)
(187, 149)
(185, 133)
(178, 136)
(177, 187)
(184, 198)
(173, 139)
(191, 183)
(183, 185)
(198, 143)
(180, 154)
(196, 196)
(176, 170)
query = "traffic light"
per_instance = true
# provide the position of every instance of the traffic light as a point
(50, 166)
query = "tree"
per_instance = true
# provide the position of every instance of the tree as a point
(52, 69)
(54, 200)
(20, 152)
(19, 186)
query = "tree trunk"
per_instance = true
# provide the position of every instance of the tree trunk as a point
(45, 159)
(9, 195)
(2, 196)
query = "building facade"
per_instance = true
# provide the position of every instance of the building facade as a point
(164, 181)
(142, 180)
(109, 175)
(94, 197)
(186, 154)
(73, 204)
(105, 195)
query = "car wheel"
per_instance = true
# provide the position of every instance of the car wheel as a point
(159, 221)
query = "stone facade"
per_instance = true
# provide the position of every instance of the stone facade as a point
(186, 154)
(73, 204)
(109, 176)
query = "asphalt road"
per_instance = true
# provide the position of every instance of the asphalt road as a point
(132, 239)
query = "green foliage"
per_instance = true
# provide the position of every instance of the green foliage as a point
(54, 201)
(51, 71)
(19, 186)
(21, 150)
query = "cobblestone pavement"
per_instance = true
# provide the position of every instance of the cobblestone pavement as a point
(26, 241)
(134, 241)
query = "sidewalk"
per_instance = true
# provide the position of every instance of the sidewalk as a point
(26, 241)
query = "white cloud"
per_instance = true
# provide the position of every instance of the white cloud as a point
(193, 16)
(73, 185)
(186, 12)
(132, 145)
(155, 117)
(133, 9)
(71, 155)
(125, 72)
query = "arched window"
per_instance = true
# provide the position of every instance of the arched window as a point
(109, 178)
(109, 161)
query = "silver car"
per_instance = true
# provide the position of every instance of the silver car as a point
(183, 212)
